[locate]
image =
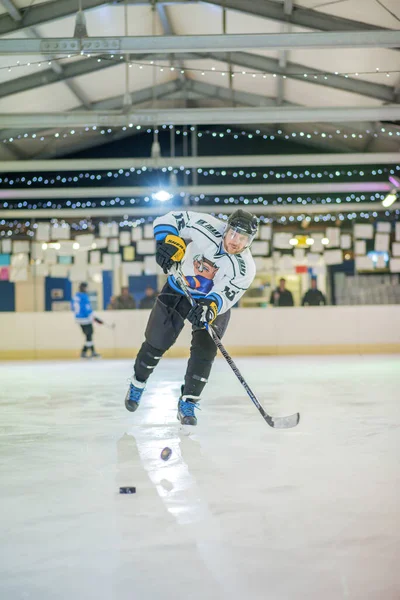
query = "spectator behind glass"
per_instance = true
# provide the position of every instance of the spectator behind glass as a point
(281, 296)
(149, 298)
(111, 305)
(314, 297)
(125, 301)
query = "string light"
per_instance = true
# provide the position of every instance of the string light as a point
(82, 55)
(284, 174)
(210, 201)
(321, 135)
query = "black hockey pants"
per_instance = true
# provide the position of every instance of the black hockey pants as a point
(165, 323)
(88, 333)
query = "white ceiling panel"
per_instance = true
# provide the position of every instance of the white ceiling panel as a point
(111, 82)
(307, 94)
(246, 83)
(365, 11)
(357, 60)
(197, 19)
(107, 20)
(238, 22)
(51, 98)
(28, 3)
(14, 66)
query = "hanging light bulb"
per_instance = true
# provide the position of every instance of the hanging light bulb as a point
(155, 147)
(173, 180)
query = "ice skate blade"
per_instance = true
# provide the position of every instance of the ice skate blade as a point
(131, 407)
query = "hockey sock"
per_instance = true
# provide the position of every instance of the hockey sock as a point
(146, 361)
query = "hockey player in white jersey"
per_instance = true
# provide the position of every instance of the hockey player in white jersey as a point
(218, 267)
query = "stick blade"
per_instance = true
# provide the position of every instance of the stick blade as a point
(283, 422)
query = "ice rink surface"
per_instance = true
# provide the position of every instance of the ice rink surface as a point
(240, 511)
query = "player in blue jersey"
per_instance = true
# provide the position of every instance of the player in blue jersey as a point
(83, 311)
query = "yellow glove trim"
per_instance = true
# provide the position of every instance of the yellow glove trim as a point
(179, 244)
(214, 308)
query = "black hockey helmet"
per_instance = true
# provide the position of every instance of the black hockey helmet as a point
(245, 223)
(83, 286)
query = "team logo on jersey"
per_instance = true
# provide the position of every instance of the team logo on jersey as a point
(204, 273)
(209, 228)
(180, 221)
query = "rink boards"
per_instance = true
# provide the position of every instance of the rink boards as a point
(252, 331)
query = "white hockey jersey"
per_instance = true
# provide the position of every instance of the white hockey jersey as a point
(208, 269)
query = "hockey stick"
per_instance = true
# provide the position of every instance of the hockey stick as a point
(276, 422)
(100, 322)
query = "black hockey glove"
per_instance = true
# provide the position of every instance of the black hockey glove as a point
(204, 311)
(171, 249)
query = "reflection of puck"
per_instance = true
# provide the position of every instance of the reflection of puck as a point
(127, 490)
(166, 453)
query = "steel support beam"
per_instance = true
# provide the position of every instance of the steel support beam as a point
(168, 29)
(162, 90)
(69, 71)
(265, 64)
(12, 10)
(202, 43)
(245, 60)
(196, 190)
(115, 211)
(56, 67)
(210, 90)
(116, 102)
(201, 116)
(283, 54)
(303, 17)
(206, 92)
(268, 9)
(13, 153)
(216, 162)
(192, 89)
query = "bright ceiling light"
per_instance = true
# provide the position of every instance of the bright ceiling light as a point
(293, 242)
(325, 241)
(309, 241)
(162, 196)
(390, 199)
(75, 246)
(44, 246)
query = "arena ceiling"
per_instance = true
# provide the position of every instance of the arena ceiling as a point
(284, 82)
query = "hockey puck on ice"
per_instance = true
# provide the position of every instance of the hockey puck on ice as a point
(127, 490)
(166, 453)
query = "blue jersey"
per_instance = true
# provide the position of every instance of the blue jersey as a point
(82, 308)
